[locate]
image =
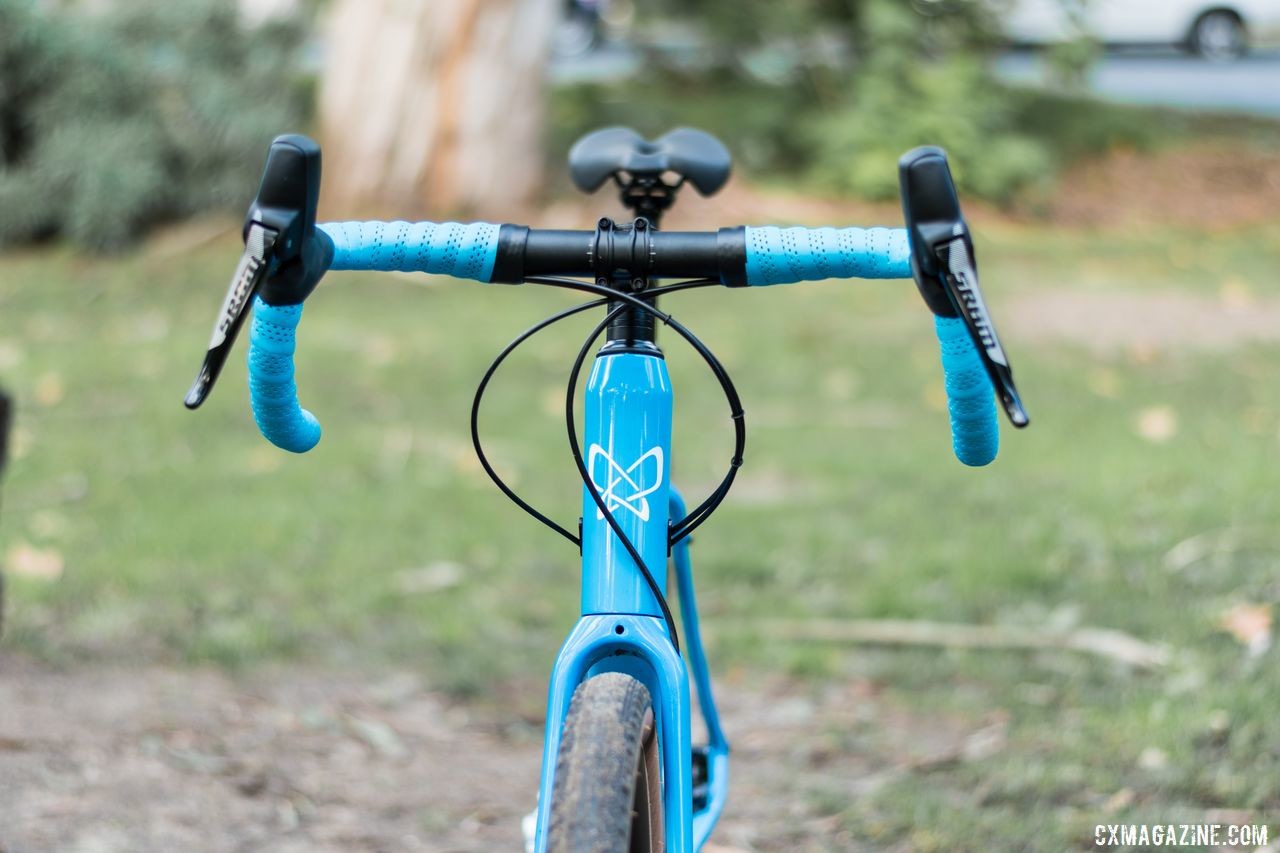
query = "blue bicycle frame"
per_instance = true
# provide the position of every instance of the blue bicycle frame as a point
(627, 449)
(627, 438)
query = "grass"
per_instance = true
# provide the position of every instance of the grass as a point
(185, 538)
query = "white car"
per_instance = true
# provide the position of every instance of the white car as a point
(1215, 30)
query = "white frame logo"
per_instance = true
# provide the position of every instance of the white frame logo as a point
(635, 496)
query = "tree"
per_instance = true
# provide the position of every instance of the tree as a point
(434, 106)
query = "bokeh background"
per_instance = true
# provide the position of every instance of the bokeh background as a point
(212, 645)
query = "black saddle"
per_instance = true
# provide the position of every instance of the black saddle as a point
(694, 155)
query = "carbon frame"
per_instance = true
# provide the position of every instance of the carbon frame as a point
(627, 448)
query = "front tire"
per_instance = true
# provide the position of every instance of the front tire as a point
(607, 796)
(1219, 35)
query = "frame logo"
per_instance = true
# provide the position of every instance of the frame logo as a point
(633, 496)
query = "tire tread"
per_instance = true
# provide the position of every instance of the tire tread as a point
(595, 784)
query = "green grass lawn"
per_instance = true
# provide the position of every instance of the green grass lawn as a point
(185, 537)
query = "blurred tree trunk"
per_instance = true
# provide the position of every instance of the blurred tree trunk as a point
(434, 105)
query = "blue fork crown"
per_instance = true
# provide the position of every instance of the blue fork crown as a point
(640, 647)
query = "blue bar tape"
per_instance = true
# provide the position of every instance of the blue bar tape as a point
(272, 391)
(461, 250)
(975, 435)
(786, 255)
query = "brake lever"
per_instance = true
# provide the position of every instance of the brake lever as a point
(282, 255)
(252, 269)
(945, 268)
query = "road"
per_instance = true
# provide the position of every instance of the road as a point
(1166, 78)
(1249, 85)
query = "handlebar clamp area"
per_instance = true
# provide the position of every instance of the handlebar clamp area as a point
(622, 250)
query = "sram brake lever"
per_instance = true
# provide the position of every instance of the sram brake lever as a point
(280, 250)
(944, 266)
(254, 265)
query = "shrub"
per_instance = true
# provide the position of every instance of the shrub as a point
(114, 122)
(898, 99)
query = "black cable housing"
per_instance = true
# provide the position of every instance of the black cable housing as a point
(699, 514)
(502, 357)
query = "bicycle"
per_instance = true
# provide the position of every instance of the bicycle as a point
(619, 771)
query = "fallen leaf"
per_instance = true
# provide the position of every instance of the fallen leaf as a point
(379, 350)
(261, 459)
(1153, 758)
(27, 561)
(552, 401)
(432, 578)
(396, 689)
(1219, 722)
(838, 385)
(48, 524)
(1181, 256)
(11, 355)
(1235, 294)
(1121, 799)
(147, 366)
(988, 740)
(195, 761)
(935, 396)
(1143, 352)
(464, 461)
(1189, 551)
(49, 390)
(20, 442)
(378, 735)
(1250, 624)
(150, 326)
(1257, 420)
(397, 447)
(1156, 424)
(1104, 382)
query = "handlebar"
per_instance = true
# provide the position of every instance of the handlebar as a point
(484, 252)
(446, 248)
(273, 394)
(975, 435)
(788, 255)
(283, 264)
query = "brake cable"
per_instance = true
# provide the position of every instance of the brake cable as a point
(680, 529)
(701, 512)
(498, 361)
(607, 514)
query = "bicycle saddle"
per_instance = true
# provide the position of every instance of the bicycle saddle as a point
(694, 155)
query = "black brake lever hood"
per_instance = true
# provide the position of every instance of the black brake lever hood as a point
(931, 208)
(286, 202)
(288, 193)
(938, 233)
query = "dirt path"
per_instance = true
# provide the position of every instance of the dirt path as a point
(98, 761)
(1143, 321)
